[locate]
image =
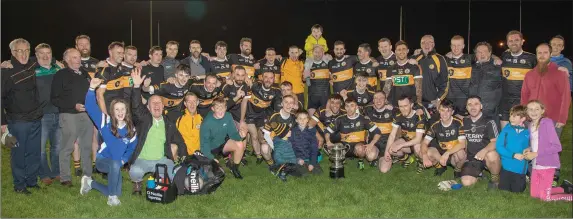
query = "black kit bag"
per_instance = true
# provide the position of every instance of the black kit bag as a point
(164, 191)
(197, 175)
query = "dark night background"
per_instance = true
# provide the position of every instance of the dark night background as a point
(279, 24)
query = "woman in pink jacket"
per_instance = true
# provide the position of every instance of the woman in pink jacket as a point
(544, 153)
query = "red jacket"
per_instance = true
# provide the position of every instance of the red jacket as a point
(552, 90)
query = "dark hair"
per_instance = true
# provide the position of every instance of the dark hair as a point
(270, 49)
(544, 44)
(301, 112)
(82, 37)
(128, 122)
(130, 47)
(289, 96)
(293, 47)
(338, 42)
(366, 47)
(483, 43)
(220, 44)
(184, 68)
(286, 83)
(350, 100)
(239, 67)
(114, 44)
(385, 40)
(513, 32)
(245, 39)
(403, 97)
(447, 104)
(457, 37)
(219, 100)
(194, 42)
(210, 76)
(153, 49)
(316, 26)
(401, 42)
(336, 97)
(381, 92)
(474, 97)
(518, 110)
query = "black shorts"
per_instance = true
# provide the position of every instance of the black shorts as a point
(506, 104)
(300, 98)
(511, 181)
(315, 102)
(258, 119)
(434, 144)
(381, 144)
(218, 151)
(473, 168)
(350, 152)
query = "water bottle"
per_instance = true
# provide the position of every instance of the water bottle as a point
(151, 182)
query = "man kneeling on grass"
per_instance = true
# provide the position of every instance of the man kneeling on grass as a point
(219, 136)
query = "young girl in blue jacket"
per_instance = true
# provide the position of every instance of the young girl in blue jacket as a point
(119, 138)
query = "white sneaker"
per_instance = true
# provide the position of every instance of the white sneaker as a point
(86, 185)
(113, 201)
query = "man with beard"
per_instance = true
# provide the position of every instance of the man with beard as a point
(199, 64)
(244, 59)
(382, 115)
(459, 74)
(269, 63)
(550, 86)
(89, 64)
(481, 133)
(386, 59)
(254, 107)
(486, 81)
(206, 90)
(235, 92)
(435, 82)
(169, 63)
(403, 78)
(366, 66)
(516, 63)
(220, 64)
(21, 114)
(111, 72)
(154, 71)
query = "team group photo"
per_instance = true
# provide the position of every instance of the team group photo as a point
(322, 109)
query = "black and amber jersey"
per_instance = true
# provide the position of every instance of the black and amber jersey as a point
(240, 60)
(368, 70)
(479, 134)
(170, 94)
(277, 105)
(323, 121)
(261, 98)
(513, 69)
(89, 65)
(154, 72)
(279, 126)
(409, 126)
(382, 118)
(447, 136)
(116, 81)
(342, 71)
(274, 68)
(319, 78)
(205, 97)
(221, 68)
(362, 99)
(402, 77)
(230, 92)
(460, 74)
(353, 130)
(383, 65)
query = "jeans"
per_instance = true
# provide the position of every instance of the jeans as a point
(25, 155)
(75, 126)
(50, 130)
(140, 167)
(113, 170)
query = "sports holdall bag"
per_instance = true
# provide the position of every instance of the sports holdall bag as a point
(197, 175)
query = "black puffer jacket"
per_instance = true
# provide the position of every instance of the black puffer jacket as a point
(486, 83)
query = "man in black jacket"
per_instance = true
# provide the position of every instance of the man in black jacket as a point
(22, 114)
(486, 81)
(68, 94)
(159, 140)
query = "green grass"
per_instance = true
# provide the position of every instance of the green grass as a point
(368, 193)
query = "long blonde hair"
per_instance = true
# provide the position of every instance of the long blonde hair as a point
(542, 106)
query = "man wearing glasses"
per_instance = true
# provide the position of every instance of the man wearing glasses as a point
(21, 115)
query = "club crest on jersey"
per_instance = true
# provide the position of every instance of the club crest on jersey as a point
(312, 75)
(407, 70)
(334, 77)
(364, 100)
(357, 123)
(323, 64)
(386, 115)
(463, 61)
(343, 63)
(506, 73)
(431, 66)
(451, 71)
(522, 61)
(368, 70)
(391, 62)
(227, 66)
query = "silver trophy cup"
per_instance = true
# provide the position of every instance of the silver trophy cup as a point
(336, 155)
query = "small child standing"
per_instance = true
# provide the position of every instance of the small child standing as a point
(305, 144)
(510, 144)
(315, 38)
(544, 153)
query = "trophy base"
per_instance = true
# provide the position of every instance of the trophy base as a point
(336, 173)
